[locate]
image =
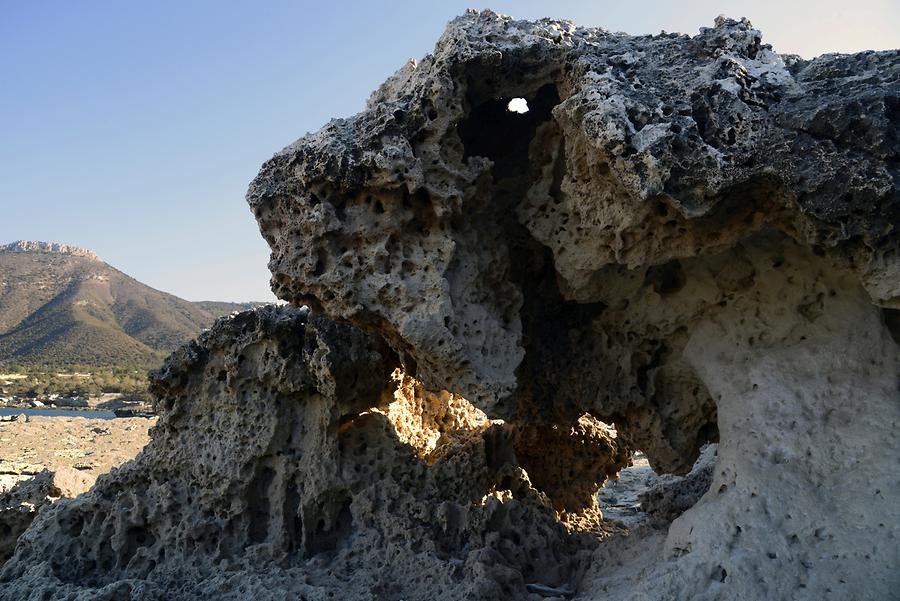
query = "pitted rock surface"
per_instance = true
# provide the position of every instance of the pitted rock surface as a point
(286, 461)
(474, 239)
(20, 504)
(803, 499)
(669, 214)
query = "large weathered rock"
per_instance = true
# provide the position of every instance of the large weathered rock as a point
(693, 238)
(287, 462)
(480, 241)
(803, 502)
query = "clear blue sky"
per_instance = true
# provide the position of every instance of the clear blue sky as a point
(133, 128)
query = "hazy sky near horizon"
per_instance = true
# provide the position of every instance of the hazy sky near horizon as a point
(133, 128)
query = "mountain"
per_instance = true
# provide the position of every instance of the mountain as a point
(61, 304)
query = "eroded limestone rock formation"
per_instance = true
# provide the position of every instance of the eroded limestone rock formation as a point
(677, 237)
(480, 242)
(693, 239)
(287, 461)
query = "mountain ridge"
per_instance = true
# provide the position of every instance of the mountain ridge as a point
(61, 304)
(49, 247)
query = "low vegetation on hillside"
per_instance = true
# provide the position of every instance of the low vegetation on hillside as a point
(72, 380)
(62, 306)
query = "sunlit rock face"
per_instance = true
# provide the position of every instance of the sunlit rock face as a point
(691, 239)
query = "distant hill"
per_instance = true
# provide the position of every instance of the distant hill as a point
(63, 305)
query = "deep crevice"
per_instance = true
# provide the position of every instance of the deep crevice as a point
(892, 321)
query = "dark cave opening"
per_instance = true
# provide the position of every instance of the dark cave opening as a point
(550, 324)
(493, 131)
(562, 371)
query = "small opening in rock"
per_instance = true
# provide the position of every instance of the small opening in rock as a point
(493, 131)
(667, 278)
(640, 495)
(620, 498)
(517, 105)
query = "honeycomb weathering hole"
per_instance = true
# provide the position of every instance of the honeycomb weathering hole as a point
(517, 105)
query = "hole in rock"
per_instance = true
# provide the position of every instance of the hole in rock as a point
(620, 500)
(558, 376)
(667, 278)
(550, 324)
(257, 498)
(330, 533)
(517, 105)
(492, 130)
(640, 495)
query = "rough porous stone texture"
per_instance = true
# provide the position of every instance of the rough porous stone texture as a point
(670, 215)
(287, 463)
(479, 241)
(21, 503)
(692, 238)
(803, 502)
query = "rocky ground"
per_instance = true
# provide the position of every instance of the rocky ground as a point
(44, 459)
(91, 446)
(620, 499)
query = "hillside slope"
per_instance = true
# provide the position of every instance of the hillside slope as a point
(63, 305)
